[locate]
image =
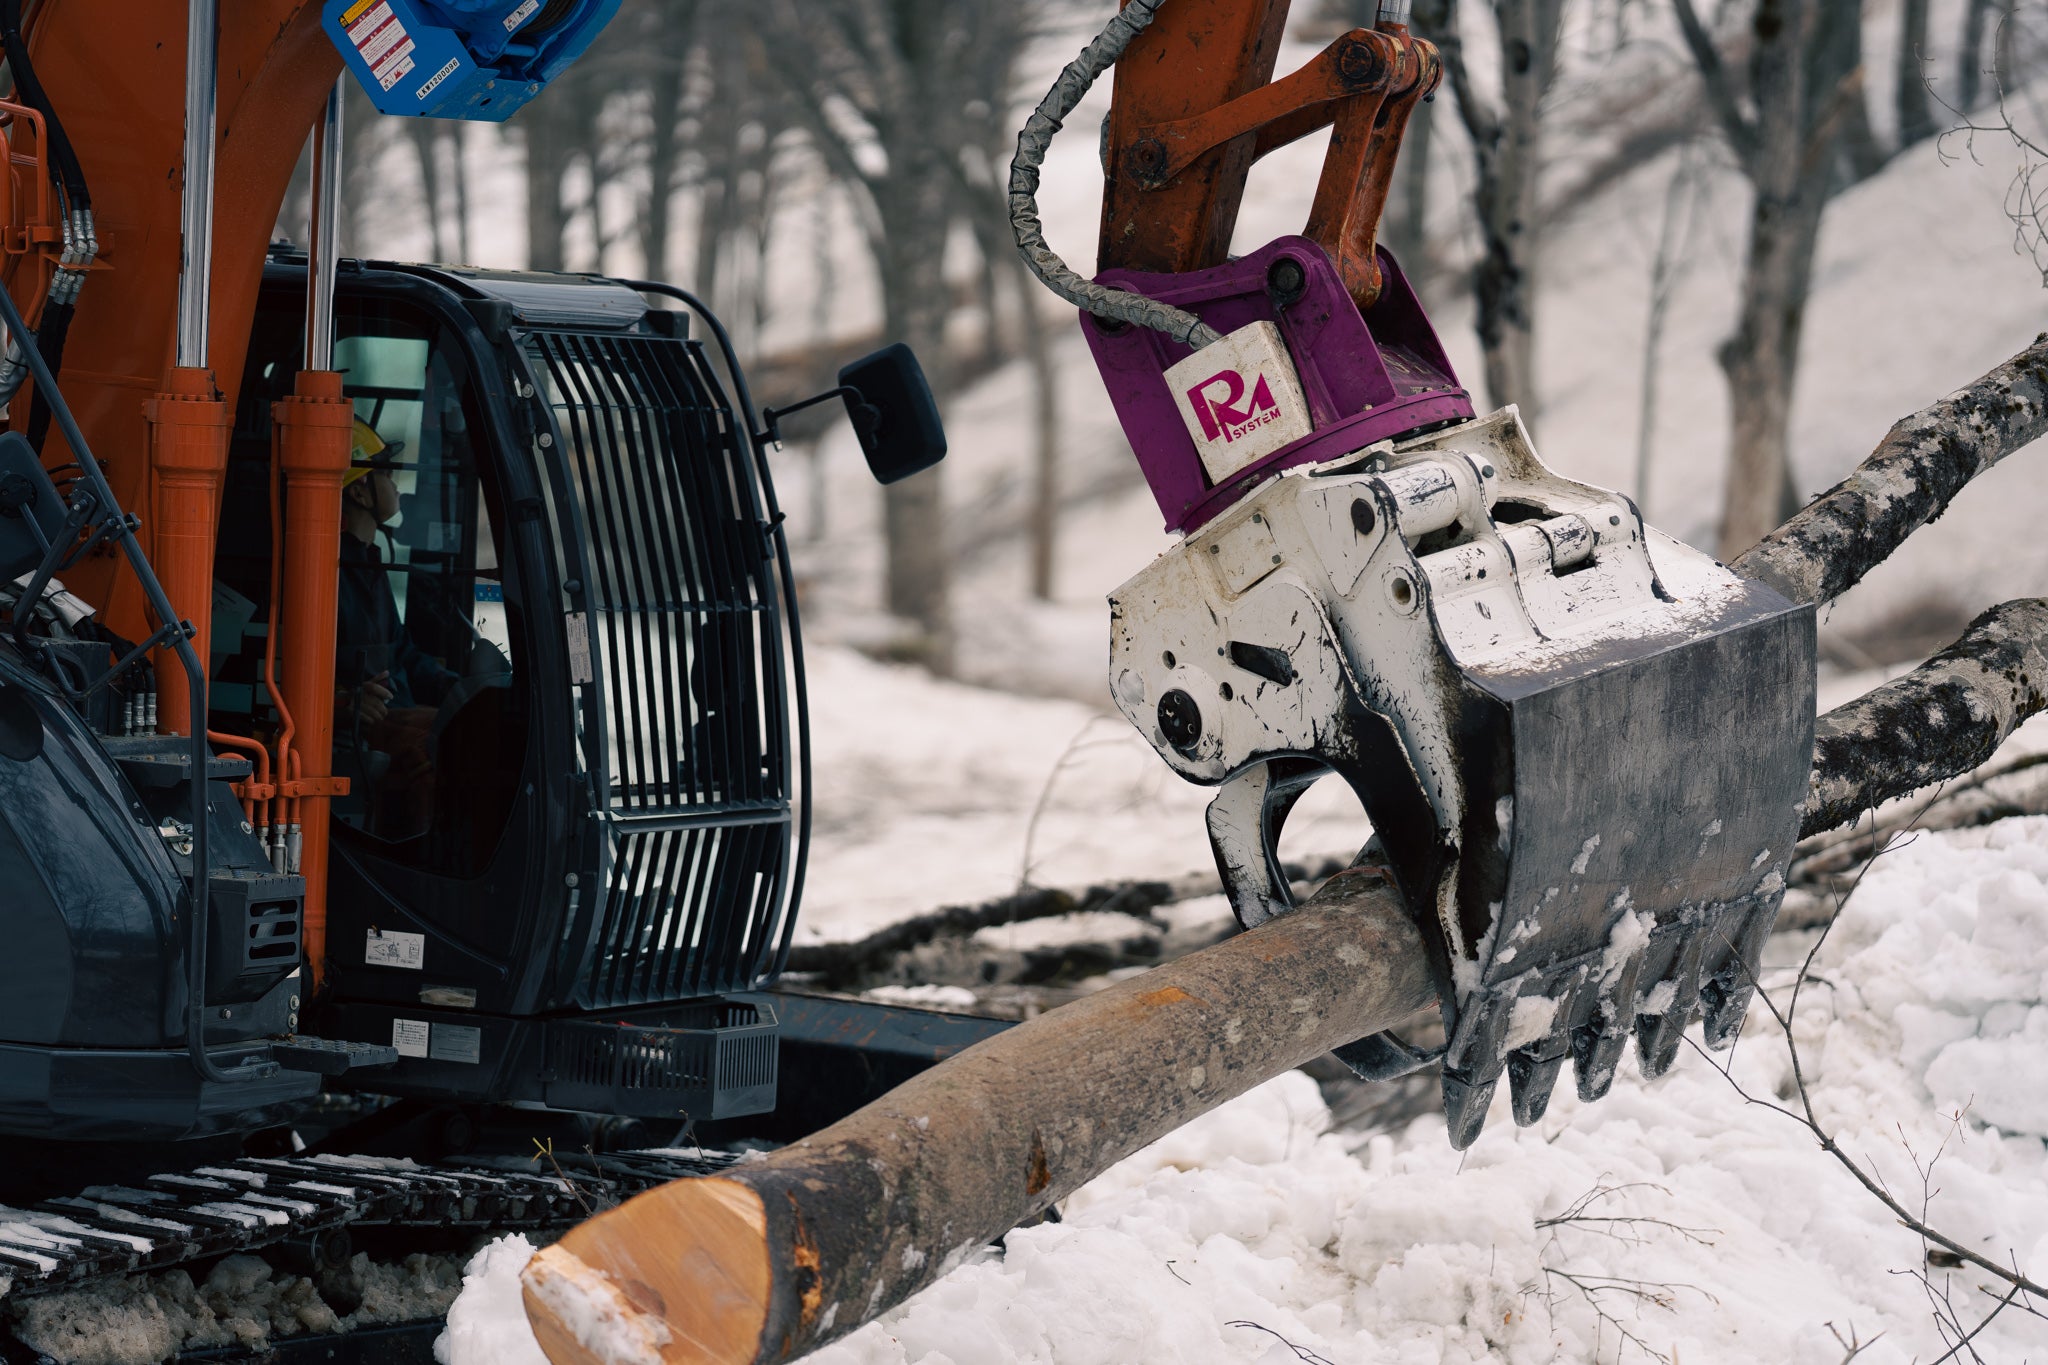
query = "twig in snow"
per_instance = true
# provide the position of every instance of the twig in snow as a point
(1592, 1288)
(1852, 1345)
(1074, 746)
(547, 1149)
(1301, 1353)
(1623, 1228)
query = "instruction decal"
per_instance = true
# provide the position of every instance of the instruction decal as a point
(391, 948)
(409, 1036)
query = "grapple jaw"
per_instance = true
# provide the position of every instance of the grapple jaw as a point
(1582, 745)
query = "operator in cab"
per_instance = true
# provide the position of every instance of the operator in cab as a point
(388, 688)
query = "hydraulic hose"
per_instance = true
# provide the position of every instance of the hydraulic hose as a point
(1047, 119)
(81, 241)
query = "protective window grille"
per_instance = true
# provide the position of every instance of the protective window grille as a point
(660, 511)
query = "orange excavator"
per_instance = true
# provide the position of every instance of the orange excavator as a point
(402, 726)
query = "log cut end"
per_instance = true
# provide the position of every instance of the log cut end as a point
(676, 1276)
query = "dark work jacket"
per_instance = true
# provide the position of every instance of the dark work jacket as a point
(370, 636)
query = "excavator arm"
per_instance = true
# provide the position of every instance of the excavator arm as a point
(1195, 106)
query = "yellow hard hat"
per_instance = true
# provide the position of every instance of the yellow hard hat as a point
(368, 451)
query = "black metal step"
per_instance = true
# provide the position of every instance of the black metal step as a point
(330, 1056)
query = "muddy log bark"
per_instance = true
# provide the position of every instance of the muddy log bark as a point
(776, 1257)
(1908, 481)
(1943, 719)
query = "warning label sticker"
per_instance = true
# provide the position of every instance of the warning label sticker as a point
(409, 1036)
(391, 948)
(518, 16)
(380, 40)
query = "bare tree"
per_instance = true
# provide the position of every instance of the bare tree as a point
(424, 134)
(1909, 79)
(667, 39)
(1781, 121)
(549, 129)
(1506, 146)
(1970, 60)
(880, 87)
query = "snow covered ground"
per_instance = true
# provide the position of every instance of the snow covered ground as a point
(1670, 1220)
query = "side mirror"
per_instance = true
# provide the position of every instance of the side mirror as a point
(892, 411)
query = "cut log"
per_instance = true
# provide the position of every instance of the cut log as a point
(776, 1257)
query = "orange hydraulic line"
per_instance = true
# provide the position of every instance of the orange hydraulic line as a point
(188, 449)
(259, 755)
(284, 715)
(313, 430)
(116, 68)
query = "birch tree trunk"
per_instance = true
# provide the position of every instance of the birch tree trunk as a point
(914, 214)
(1506, 146)
(1803, 85)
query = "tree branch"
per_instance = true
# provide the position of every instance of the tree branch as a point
(1941, 720)
(1742, 134)
(1440, 26)
(1908, 481)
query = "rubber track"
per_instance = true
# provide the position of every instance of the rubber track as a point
(169, 1220)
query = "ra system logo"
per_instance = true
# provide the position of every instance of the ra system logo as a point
(1215, 402)
(1240, 399)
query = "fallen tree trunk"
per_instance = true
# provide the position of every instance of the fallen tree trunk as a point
(774, 1258)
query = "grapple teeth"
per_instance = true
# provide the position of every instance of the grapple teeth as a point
(1479, 1048)
(1596, 1055)
(1657, 1040)
(1723, 1004)
(1658, 1035)
(1725, 997)
(1465, 1103)
(1531, 1079)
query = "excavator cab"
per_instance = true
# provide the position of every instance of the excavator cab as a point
(574, 830)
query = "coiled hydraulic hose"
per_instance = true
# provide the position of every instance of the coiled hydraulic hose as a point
(1047, 119)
